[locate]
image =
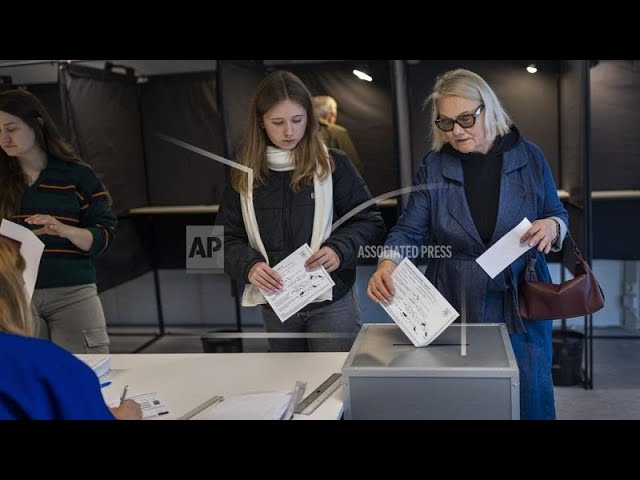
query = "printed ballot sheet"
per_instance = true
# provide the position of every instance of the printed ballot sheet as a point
(418, 308)
(301, 286)
(31, 248)
(150, 404)
(505, 250)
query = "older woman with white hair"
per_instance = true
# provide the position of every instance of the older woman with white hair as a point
(479, 181)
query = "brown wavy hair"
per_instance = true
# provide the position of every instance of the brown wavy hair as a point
(309, 155)
(13, 181)
(15, 314)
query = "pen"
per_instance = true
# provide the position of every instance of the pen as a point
(105, 384)
(123, 397)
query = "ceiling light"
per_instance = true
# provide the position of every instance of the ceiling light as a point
(362, 75)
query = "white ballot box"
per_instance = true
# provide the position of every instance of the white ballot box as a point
(468, 372)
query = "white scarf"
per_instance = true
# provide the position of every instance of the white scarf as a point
(281, 161)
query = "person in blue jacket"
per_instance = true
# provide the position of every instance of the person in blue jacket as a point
(480, 180)
(301, 193)
(38, 379)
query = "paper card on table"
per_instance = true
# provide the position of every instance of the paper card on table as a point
(505, 251)
(31, 248)
(418, 308)
(150, 404)
(250, 406)
(301, 286)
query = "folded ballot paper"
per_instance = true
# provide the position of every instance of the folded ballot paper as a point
(418, 308)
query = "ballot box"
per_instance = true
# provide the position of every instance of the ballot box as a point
(468, 372)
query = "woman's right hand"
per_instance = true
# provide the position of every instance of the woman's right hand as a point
(127, 410)
(381, 288)
(265, 278)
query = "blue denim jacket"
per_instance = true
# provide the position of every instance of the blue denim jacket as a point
(438, 214)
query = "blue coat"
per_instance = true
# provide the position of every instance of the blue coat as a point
(438, 214)
(41, 381)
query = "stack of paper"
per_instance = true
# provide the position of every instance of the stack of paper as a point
(250, 406)
(101, 366)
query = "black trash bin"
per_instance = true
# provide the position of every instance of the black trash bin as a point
(212, 344)
(567, 357)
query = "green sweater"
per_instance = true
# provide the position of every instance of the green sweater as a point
(73, 194)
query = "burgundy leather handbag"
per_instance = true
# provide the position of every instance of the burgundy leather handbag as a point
(549, 301)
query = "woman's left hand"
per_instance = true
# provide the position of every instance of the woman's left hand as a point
(50, 226)
(326, 257)
(541, 233)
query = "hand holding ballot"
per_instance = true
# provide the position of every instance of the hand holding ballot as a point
(300, 285)
(420, 311)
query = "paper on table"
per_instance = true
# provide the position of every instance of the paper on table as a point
(505, 250)
(31, 248)
(249, 406)
(150, 404)
(100, 366)
(301, 286)
(418, 308)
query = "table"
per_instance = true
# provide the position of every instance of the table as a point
(184, 381)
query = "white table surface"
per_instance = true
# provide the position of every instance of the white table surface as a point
(184, 381)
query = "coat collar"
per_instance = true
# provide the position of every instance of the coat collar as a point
(512, 194)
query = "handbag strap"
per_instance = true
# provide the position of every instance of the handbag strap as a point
(574, 246)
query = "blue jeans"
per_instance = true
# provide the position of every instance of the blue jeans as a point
(533, 351)
(341, 316)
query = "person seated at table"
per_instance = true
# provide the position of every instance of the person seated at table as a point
(38, 379)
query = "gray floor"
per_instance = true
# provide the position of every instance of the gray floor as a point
(616, 384)
(615, 396)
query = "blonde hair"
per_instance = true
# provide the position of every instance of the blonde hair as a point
(15, 314)
(309, 155)
(471, 86)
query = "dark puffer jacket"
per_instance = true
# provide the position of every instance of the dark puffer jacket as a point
(285, 221)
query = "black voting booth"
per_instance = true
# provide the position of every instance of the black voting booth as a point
(581, 114)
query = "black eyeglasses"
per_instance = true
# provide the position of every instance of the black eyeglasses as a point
(466, 120)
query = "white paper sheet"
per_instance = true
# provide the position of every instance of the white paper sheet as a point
(505, 250)
(101, 366)
(418, 308)
(31, 248)
(249, 406)
(150, 404)
(301, 286)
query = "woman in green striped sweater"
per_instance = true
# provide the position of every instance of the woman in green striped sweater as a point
(47, 188)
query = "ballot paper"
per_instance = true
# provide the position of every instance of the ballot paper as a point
(505, 251)
(150, 404)
(301, 286)
(31, 248)
(418, 308)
